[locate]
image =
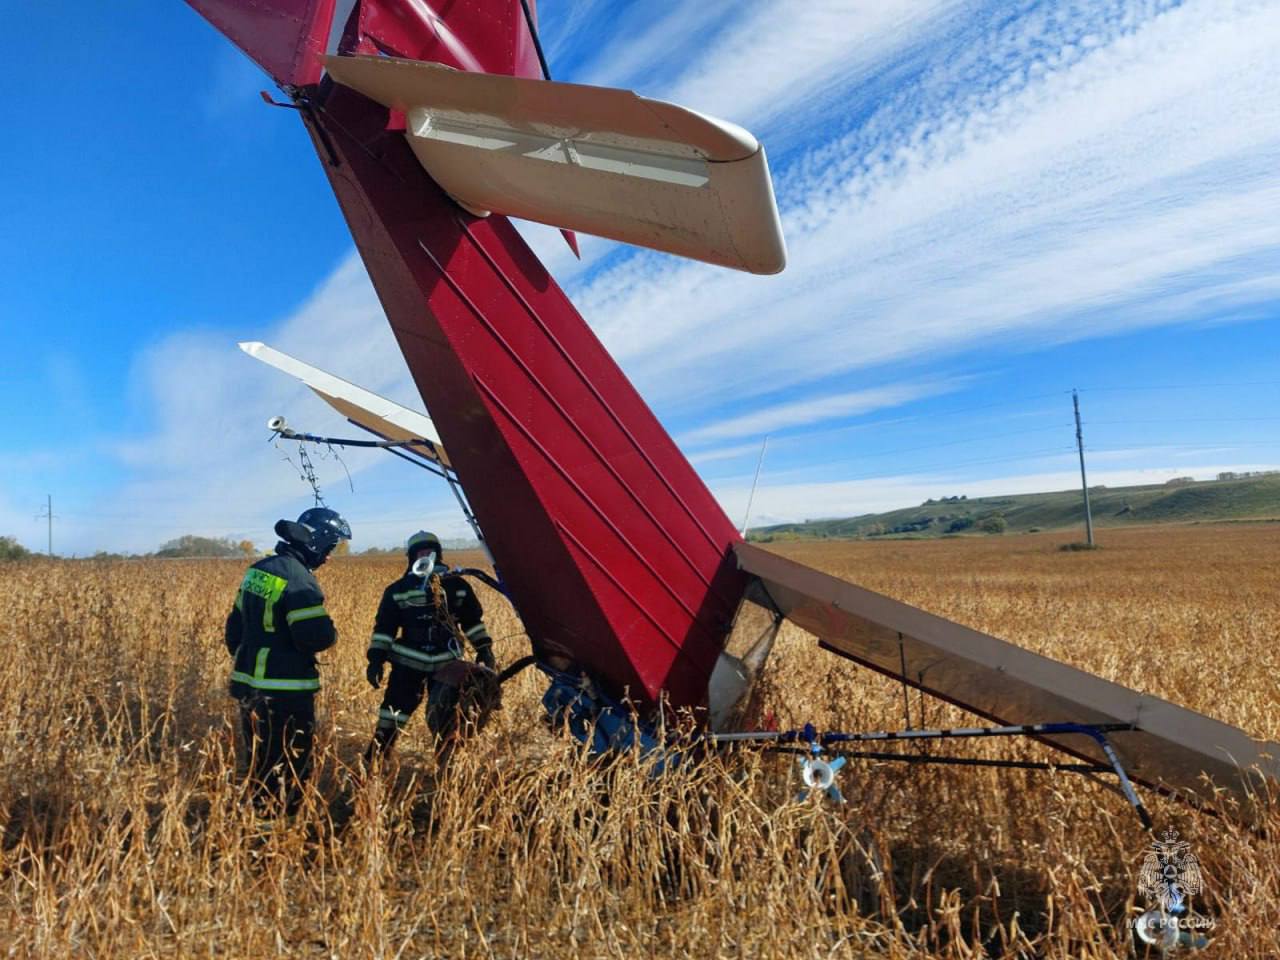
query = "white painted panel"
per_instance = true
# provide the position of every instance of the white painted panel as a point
(591, 159)
(384, 417)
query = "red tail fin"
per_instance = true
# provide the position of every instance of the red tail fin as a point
(284, 37)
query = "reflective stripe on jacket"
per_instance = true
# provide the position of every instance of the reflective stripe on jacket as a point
(409, 631)
(277, 626)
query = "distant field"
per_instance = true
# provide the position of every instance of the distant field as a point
(1248, 498)
(124, 835)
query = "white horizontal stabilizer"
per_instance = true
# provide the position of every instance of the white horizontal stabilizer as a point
(380, 416)
(592, 159)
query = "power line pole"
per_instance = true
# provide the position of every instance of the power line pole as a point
(1084, 483)
(48, 515)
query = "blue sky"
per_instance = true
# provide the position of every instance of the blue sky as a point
(986, 204)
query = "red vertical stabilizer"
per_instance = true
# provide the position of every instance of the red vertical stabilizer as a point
(611, 547)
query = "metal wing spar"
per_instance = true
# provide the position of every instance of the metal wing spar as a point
(378, 415)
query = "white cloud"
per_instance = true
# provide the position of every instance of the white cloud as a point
(814, 410)
(231, 85)
(204, 466)
(725, 453)
(779, 60)
(951, 176)
(1055, 179)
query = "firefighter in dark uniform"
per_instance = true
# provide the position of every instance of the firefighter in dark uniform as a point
(420, 627)
(274, 631)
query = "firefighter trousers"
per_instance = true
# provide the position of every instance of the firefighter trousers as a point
(405, 690)
(276, 734)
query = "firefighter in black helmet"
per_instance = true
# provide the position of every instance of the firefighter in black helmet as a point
(421, 624)
(274, 631)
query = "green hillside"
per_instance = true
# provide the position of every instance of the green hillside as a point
(1178, 501)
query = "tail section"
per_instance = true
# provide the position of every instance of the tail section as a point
(287, 38)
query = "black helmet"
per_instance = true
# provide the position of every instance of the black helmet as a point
(422, 540)
(315, 534)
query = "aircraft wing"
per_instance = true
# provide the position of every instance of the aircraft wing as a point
(591, 159)
(1009, 685)
(378, 415)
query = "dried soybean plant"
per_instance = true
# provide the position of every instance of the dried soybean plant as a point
(125, 831)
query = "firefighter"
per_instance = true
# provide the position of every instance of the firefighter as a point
(420, 627)
(274, 631)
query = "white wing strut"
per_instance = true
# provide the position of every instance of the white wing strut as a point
(378, 415)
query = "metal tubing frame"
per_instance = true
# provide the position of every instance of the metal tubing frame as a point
(404, 449)
(817, 741)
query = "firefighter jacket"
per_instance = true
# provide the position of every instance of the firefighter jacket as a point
(410, 629)
(277, 627)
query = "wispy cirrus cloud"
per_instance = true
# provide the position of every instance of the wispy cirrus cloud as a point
(814, 410)
(1030, 176)
(202, 466)
(951, 175)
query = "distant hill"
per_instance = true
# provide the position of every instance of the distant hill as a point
(1184, 500)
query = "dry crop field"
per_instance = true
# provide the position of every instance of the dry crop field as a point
(125, 834)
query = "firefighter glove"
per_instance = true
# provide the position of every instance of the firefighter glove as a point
(374, 674)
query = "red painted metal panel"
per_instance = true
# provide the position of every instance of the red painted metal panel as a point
(610, 544)
(486, 36)
(287, 37)
(611, 547)
(284, 37)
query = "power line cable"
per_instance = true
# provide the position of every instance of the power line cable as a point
(1182, 386)
(1186, 420)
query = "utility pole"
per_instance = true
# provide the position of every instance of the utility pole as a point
(1084, 483)
(48, 515)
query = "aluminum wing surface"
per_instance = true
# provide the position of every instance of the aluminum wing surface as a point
(584, 158)
(997, 680)
(378, 415)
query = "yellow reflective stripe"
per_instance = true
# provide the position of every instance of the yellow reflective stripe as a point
(305, 613)
(267, 586)
(422, 655)
(262, 683)
(411, 657)
(380, 641)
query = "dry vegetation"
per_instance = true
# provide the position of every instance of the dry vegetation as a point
(125, 834)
